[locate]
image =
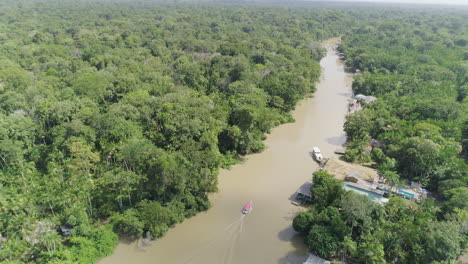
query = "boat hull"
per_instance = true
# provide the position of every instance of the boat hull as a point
(247, 208)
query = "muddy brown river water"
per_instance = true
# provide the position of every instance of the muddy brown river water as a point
(269, 179)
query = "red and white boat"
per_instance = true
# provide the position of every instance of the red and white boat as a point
(247, 207)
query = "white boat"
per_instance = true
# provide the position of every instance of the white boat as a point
(317, 154)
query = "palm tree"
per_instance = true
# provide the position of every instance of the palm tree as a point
(391, 178)
(50, 239)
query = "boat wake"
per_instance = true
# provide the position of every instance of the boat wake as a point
(231, 233)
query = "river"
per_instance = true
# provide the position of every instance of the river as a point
(269, 179)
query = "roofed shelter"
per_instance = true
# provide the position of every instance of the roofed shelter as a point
(353, 177)
(303, 193)
(315, 260)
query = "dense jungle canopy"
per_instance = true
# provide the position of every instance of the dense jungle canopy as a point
(115, 116)
(416, 64)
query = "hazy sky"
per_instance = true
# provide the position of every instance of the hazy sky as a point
(443, 2)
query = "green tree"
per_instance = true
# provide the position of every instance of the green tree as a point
(371, 251)
(128, 224)
(457, 198)
(303, 221)
(322, 241)
(326, 189)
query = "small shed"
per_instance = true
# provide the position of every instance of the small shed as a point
(370, 99)
(65, 230)
(2, 240)
(303, 193)
(312, 259)
(376, 143)
(360, 97)
(416, 185)
(353, 177)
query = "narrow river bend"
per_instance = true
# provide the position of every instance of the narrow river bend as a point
(264, 236)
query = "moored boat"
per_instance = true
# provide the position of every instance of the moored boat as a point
(317, 154)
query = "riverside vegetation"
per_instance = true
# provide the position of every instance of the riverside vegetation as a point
(416, 64)
(116, 116)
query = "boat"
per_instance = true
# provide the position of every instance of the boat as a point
(247, 208)
(317, 154)
(295, 203)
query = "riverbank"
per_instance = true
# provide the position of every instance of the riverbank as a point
(269, 179)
